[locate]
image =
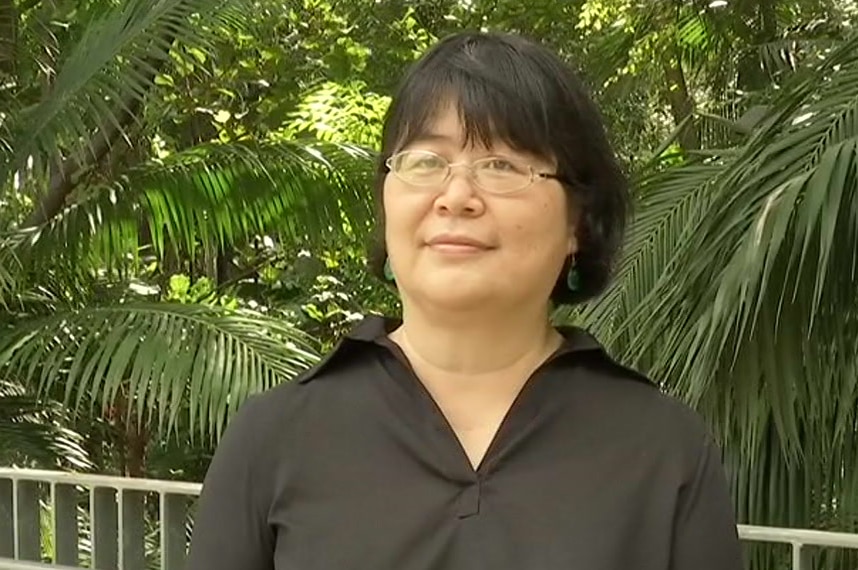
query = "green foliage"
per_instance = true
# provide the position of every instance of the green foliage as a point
(165, 357)
(216, 238)
(339, 113)
(209, 197)
(342, 293)
(737, 291)
(106, 74)
(87, 287)
(32, 432)
(181, 289)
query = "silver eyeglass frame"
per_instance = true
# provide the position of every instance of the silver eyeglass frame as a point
(534, 174)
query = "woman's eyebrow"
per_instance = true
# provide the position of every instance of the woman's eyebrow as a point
(431, 137)
(501, 149)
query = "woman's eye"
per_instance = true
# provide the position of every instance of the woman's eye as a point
(502, 165)
(428, 162)
(424, 163)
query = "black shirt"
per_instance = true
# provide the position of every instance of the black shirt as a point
(353, 467)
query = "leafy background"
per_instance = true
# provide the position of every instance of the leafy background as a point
(185, 210)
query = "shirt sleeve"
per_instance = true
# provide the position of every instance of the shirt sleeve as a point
(230, 528)
(705, 533)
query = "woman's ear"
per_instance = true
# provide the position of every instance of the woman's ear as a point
(572, 229)
(572, 243)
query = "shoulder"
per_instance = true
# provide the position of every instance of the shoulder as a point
(348, 358)
(277, 407)
(592, 370)
(625, 405)
(263, 422)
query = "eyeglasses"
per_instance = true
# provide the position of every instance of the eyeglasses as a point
(494, 174)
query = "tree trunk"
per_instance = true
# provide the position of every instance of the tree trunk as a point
(117, 416)
(681, 103)
(136, 446)
(752, 73)
(8, 38)
(62, 176)
(132, 437)
(62, 180)
(768, 19)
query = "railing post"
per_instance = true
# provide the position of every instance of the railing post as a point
(65, 524)
(132, 556)
(28, 521)
(7, 520)
(800, 556)
(173, 540)
(105, 535)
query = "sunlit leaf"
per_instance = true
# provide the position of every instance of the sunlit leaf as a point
(164, 356)
(216, 195)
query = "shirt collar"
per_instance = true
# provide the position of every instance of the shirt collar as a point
(373, 329)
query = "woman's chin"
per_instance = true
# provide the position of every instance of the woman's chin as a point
(464, 292)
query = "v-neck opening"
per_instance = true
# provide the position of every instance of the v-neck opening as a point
(516, 410)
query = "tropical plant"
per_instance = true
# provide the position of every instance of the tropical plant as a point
(31, 431)
(738, 292)
(100, 229)
(176, 175)
(702, 69)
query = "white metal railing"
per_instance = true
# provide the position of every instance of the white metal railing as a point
(106, 512)
(112, 522)
(801, 541)
(7, 564)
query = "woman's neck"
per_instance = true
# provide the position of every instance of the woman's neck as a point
(476, 344)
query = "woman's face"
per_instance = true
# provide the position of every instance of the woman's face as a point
(516, 243)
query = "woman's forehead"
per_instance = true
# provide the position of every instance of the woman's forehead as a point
(450, 127)
(446, 127)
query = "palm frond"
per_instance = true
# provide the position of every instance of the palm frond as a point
(212, 196)
(664, 217)
(110, 70)
(30, 433)
(154, 355)
(794, 181)
(739, 293)
(9, 270)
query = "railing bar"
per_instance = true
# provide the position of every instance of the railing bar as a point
(53, 507)
(15, 520)
(173, 524)
(162, 507)
(92, 526)
(65, 524)
(806, 537)
(800, 556)
(133, 536)
(89, 480)
(120, 526)
(27, 520)
(105, 532)
(93, 543)
(7, 527)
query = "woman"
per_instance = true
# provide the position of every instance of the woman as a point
(473, 435)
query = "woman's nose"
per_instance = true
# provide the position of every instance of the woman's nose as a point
(459, 195)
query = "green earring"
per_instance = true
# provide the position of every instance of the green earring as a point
(573, 279)
(388, 272)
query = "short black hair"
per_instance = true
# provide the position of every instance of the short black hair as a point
(510, 88)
